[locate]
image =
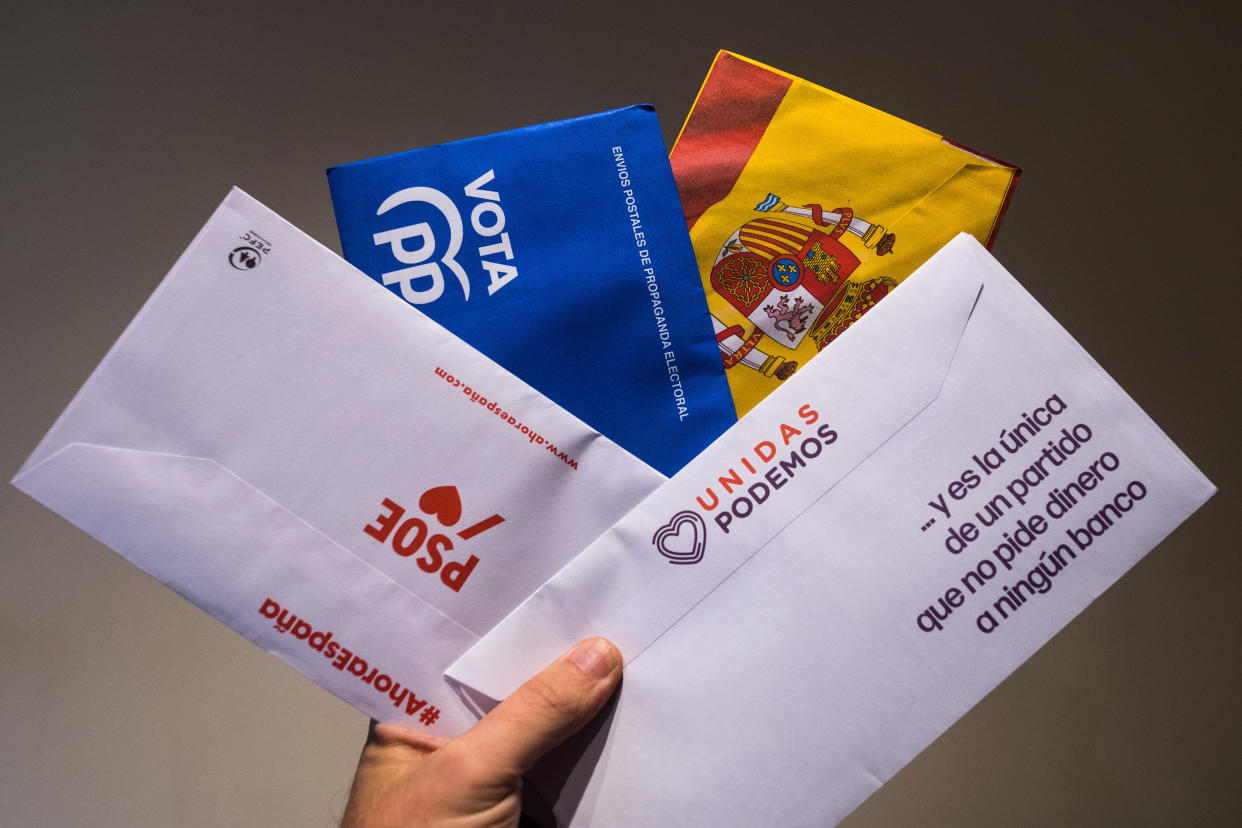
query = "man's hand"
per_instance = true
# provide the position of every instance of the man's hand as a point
(407, 778)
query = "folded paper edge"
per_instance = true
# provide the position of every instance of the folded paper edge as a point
(73, 447)
(377, 598)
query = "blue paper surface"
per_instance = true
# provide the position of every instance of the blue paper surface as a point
(561, 252)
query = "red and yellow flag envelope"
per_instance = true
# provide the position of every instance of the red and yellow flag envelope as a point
(806, 208)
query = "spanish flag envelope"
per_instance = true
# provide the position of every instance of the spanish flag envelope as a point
(806, 208)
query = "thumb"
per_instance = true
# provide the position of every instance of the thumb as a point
(546, 710)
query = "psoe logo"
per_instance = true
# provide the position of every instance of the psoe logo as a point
(428, 256)
(683, 539)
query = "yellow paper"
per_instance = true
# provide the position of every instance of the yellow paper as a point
(806, 208)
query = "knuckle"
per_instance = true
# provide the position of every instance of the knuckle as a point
(562, 704)
(548, 699)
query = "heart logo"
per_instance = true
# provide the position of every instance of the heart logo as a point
(444, 502)
(678, 548)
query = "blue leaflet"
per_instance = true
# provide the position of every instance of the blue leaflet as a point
(561, 252)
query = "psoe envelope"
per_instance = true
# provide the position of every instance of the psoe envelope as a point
(344, 482)
(847, 571)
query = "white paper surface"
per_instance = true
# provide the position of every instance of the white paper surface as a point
(836, 629)
(247, 428)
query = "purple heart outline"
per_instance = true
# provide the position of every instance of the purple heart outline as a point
(673, 529)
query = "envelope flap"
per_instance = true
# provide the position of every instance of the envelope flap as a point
(693, 533)
(258, 567)
(972, 199)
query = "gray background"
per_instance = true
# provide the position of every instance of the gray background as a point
(120, 704)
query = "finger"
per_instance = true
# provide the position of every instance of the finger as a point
(546, 710)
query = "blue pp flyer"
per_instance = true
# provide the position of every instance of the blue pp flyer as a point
(561, 252)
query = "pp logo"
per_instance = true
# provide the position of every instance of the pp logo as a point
(245, 258)
(682, 539)
(427, 274)
(428, 256)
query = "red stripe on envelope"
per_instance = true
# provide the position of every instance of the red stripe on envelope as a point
(733, 109)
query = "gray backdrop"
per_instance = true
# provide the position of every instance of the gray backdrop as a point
(120, 704)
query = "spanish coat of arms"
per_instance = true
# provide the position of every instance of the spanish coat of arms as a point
(789, 274)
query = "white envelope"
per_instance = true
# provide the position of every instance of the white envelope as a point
(325, 469)
(780, 671)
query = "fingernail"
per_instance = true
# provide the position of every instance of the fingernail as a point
(593, 657)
